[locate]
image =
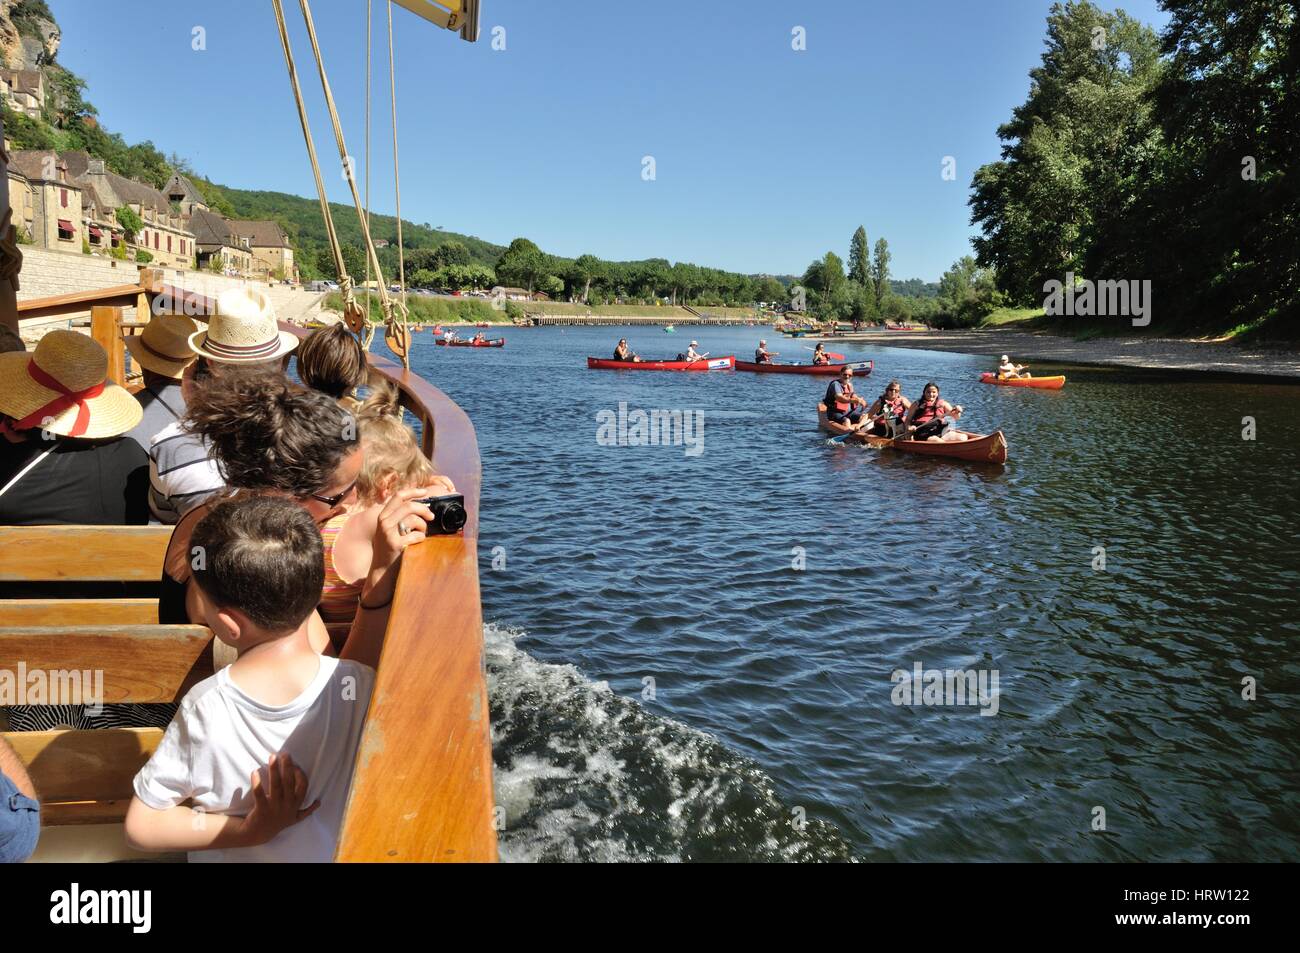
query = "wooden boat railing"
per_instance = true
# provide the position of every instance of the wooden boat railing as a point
(422, 790)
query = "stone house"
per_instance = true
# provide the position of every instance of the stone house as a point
(24, 89)
(269, 244)
(164, 234)
(215, 237)
(45, 199)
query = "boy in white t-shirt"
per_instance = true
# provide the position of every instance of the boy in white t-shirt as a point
(259, 566)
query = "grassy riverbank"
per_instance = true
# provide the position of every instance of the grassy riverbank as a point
(432, 310)
(666, 313)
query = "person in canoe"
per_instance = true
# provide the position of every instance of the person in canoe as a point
(762, 355)
(449, 335)
(819, 354)
(692, 354)
(925, 419)
(843, 405)
(1008, 371)
(889, 411)
(479, 338)
(624, 353)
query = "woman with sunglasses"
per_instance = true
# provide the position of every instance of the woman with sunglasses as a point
(888, 411)
(271, 436)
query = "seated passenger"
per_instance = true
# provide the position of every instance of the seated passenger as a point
(819, 354)
(762, 355)
(692, 354)
(889, 410)
(843, 405)
(241, 337)
(925, 420)
(278, 704)
(392, 462)
(332, 361)
(163, 354)
(624, 353)
(63, 456)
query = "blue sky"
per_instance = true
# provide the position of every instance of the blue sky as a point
(765, 158)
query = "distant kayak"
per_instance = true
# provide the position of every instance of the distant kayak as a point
(829, 370)
(669, 329)
(976, 448)
(904, 327)
(705, 364)
(469, 342)
(1045, 383)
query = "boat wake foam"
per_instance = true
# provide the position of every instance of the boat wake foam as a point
(587, 775)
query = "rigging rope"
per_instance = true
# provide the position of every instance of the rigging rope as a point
(403, 312)
(369, 46)
(351, 310)
(385, 302)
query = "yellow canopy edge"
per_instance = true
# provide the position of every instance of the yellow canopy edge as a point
(460, 16)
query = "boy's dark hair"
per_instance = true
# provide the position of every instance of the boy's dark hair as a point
(332, 361)
(261, 555)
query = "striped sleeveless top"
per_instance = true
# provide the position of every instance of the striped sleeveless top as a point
(338, 600)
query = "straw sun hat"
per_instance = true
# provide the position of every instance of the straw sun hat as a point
(61, 387)
(242, 330)
(164, 346)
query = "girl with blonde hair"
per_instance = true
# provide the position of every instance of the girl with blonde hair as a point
(392, 463)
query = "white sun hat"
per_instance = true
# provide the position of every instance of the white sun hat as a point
(243, 330)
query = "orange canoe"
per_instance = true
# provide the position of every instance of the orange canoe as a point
(1043, 383)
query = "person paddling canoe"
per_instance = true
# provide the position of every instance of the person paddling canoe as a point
(694, 355)
(843, 405)
(1009, 371)
(762, 355)
(925, 420)
(624, 353)
(819, 354)
(889, 410)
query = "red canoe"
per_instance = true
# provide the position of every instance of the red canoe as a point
(861, 368)
(1043, 383)
(705, 364)
(469, 342)
(976, 448)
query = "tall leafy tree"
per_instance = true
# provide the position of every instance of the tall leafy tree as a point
(1071, 151)
(860, 257)
(880, 270)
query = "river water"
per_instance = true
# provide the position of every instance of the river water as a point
(690, 648)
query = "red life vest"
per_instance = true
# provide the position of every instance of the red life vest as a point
(927, 412)
(842, 402)
(892, 408)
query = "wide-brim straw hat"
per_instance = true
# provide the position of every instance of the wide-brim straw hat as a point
(62, 387)
(164, 346)
(243, 330)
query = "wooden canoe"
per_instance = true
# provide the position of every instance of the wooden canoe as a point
(1043, 383)
(861, 368)
(976, 448)
(726, 363)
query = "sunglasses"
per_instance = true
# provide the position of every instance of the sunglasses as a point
(333, 501)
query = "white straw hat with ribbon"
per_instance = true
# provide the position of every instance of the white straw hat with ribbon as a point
(164, 345)
(243, 330)
(62, 387)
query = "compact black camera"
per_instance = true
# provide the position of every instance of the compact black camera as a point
(448, 513)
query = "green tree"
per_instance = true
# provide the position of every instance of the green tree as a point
(523, 264)
(880, 270)
(1074, 148)
(860, 257)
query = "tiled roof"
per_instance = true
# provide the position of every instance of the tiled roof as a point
(179, 185)
(262, 234)
(32, 163)
(209, 228)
